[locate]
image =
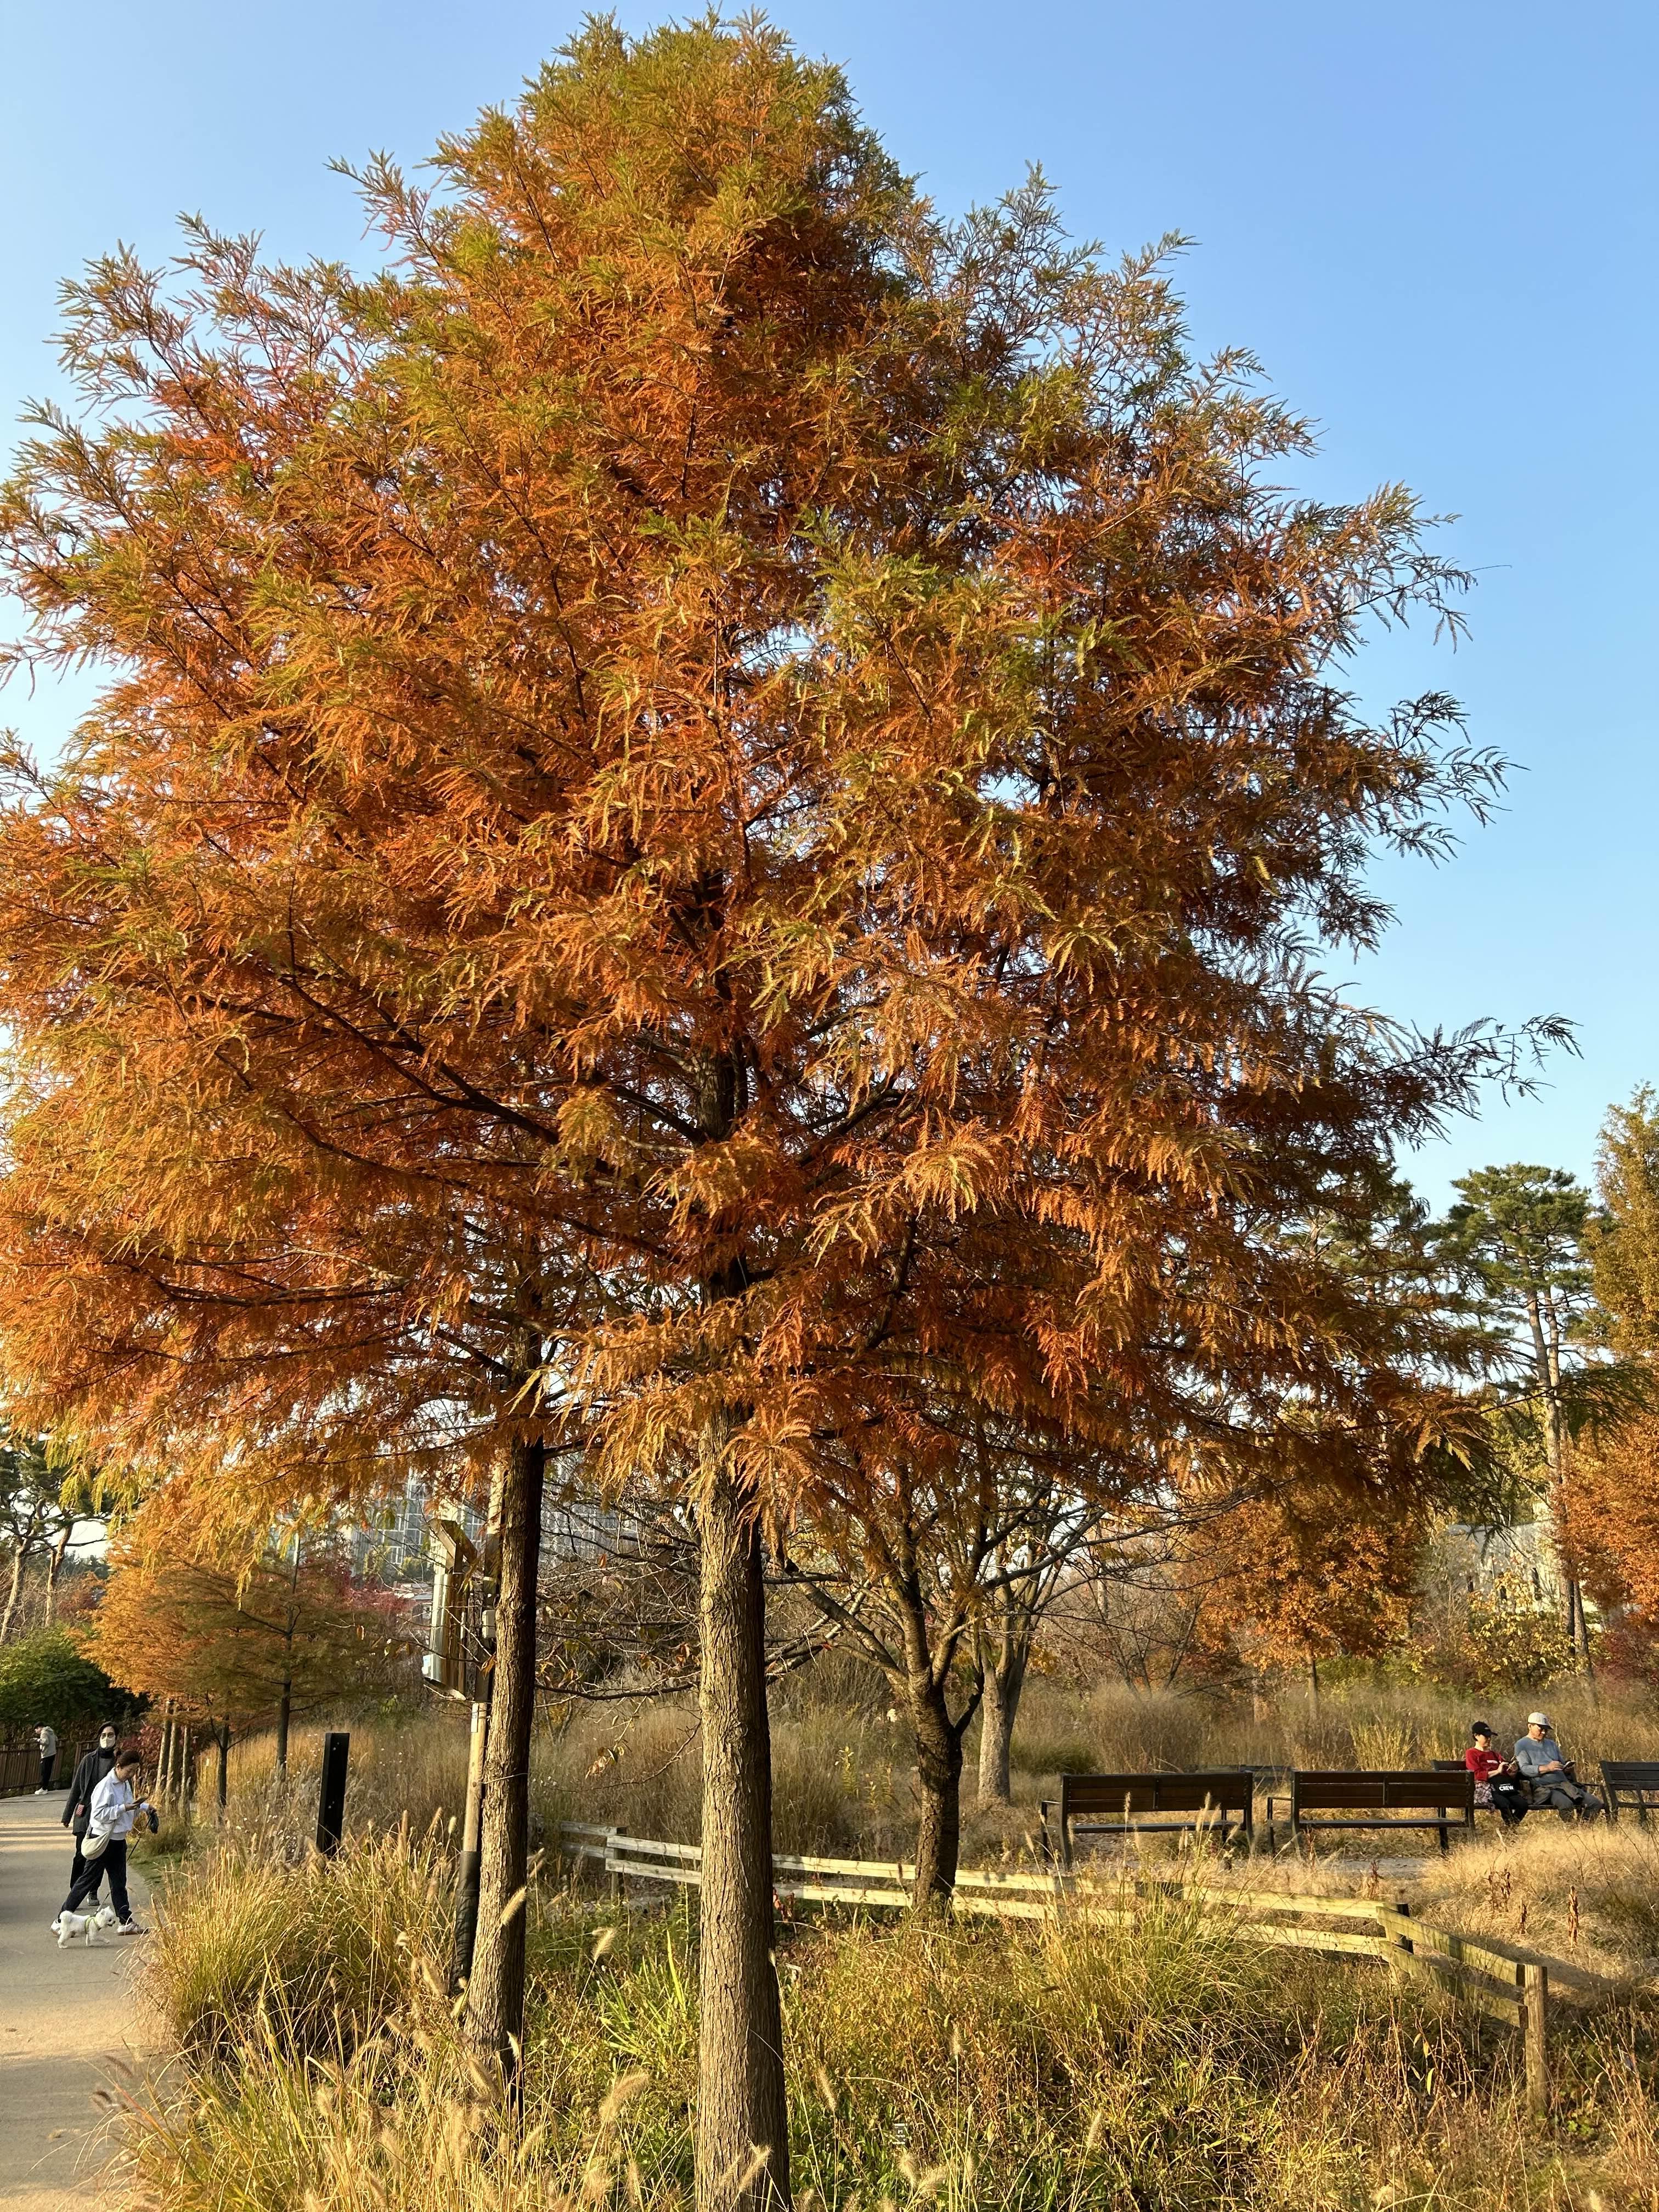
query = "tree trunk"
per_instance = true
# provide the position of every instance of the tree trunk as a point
(54, 1570)
(14, 1594)
(284, 1715)
(1581, 1648)
(1004, 1679)
(466, 1873)
(495, 2005)
(742, 2128)
(164, 1763)
(938, 1775)
(224, 1767)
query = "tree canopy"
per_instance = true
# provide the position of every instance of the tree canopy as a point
(240, 1642)
(720, 798)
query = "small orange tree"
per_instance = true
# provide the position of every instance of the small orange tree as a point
(242, 1643)
(1303, 1575)
(711, 807)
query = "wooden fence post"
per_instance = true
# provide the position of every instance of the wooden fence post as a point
(1535, 1987)
(1401, 1946)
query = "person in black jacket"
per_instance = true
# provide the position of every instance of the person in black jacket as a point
(93, 1767)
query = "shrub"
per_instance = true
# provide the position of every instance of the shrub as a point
(47, 1677)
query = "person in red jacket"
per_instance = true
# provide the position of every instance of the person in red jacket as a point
(1495, 1785)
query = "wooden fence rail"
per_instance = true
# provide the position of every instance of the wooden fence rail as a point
(1510, 1990)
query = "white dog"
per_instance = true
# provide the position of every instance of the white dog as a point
(106, 1917)
(69, 1927)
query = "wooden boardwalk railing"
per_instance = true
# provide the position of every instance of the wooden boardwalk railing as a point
(1515, 1990)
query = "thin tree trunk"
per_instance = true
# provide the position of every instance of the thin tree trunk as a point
(466, 1873)
(164, 1763)
(1581, 1646)
(224, 1767)
(1005, 1681)
(938, 1775)
(13, 1595)
(743, 2124)
(54, 1570)
(495, 2007)
(284, 1715)
(465, 1937)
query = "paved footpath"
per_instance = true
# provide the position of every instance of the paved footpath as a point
(67, 2021)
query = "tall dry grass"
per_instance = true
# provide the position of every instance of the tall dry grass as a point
(1170, 2066)
(843, 1772)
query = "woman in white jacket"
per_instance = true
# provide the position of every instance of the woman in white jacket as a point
(115, 1807)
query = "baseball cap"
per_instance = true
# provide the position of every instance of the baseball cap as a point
(1538, 1720)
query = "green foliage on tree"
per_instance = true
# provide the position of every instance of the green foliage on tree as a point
(47, 1677)
(1623, 1240)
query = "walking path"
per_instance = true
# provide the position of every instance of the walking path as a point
(64, 2017)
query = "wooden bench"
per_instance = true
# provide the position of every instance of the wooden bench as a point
(1631, 1782)
(1402, 1798)
(1142, 1804)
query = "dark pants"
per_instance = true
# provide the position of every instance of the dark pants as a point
(78, 1866)
(48, 1761)
(113, 1856)
(1508, 1803)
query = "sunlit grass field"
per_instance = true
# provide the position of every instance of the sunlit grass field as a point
(1172, 2065)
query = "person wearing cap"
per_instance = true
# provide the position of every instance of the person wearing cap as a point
(1550, 1780)
(1495, 1785)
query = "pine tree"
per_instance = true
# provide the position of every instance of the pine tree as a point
(1517, 1239)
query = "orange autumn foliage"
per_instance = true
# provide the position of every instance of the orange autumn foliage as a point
(715, 798)
(237, 1641)
(1610, 1516)
(1292, 1579)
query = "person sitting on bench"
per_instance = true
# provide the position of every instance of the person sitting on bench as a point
(1539, 1762)
(1495, 1785)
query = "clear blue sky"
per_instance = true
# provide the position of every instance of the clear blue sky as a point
(1435, 224)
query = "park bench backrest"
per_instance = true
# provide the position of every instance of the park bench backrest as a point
(1632, 1781)
(1318, 1789)
(1227, 1789)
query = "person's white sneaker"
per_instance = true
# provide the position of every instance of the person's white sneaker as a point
(42, 1792)
(131, 1928)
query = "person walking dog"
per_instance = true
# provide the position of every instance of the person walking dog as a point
(77, 1808)
(115, 1807)
(46, 1738)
